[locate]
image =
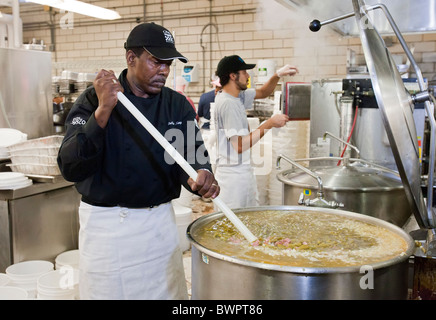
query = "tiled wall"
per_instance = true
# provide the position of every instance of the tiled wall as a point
(254, 29)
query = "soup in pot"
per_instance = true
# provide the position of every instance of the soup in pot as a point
(302, 239)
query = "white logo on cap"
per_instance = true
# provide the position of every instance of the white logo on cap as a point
(168, 36)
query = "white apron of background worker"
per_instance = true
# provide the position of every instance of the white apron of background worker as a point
(121, 248)
(234, 171)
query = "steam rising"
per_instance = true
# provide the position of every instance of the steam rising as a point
(315, 54)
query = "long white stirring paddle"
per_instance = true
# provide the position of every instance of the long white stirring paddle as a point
(183, 163)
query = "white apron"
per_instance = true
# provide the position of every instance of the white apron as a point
(130, 253)
(238, 186)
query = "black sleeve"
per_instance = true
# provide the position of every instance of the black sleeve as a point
(81, 151)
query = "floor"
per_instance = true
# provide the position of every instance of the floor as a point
(199, 208)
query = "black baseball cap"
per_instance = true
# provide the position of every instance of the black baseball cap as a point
(230, 64)
(156, 40)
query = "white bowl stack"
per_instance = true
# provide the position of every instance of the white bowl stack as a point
(59, 284)
(4, 280)
(68, 262)
(68, 259)
(13, 293)
(25, 274)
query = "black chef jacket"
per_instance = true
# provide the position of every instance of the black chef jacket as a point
(122, 164)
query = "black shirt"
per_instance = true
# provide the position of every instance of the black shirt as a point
(122, 164)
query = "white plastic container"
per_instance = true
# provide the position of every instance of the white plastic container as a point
(68, 258)
(69, 75)
(4, 280)
(37, 151)
(9, 137)
(44, 142)
(265, 70)
(13, 293)
(36, 159)
(185, 198)
(36, 169)
(25, 274)
(183, 219)
(86, 77)
(59, 284)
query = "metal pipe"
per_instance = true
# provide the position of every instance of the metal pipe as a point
(365, 162)
(343, 141)
(53, 34)
(204, 50)
(316, 25)
(302, 168)
(134, 19)
(18, 31)
(210, 42)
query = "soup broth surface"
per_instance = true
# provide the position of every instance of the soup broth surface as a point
(302, 239)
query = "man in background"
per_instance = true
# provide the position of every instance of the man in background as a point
(234, 171)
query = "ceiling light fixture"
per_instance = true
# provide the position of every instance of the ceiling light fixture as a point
(80, 8)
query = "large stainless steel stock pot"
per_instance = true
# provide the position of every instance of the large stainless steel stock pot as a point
(218, 274)
(357, 185)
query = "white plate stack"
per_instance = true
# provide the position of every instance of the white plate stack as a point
(13, 181)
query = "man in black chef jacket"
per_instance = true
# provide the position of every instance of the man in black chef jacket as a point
(128, 239)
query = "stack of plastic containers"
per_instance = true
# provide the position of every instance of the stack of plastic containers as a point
(292, 141)
(13, 293)
(68, 264)
(59, 284)
(67, 259)
(183, 219)
(25, 274)
(7, 292)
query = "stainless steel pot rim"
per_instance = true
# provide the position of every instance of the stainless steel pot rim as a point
(345, 189)
(283, 177)
(304, 270)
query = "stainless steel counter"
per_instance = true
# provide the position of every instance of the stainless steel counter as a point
(38, 222)
(35, 188)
